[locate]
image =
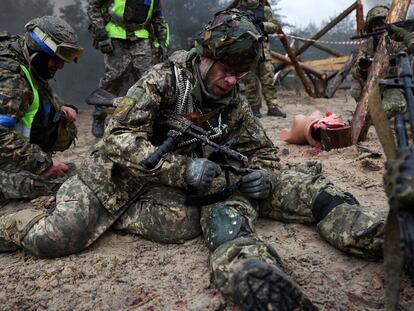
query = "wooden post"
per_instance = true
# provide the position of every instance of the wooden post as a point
(378, 70)
(292, 56)
(324, 48)
(340, 76)
(321, 75)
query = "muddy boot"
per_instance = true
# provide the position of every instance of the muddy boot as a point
(261, 286)
(98, 124)
(256, 111)
(249, 271)
(275, 112)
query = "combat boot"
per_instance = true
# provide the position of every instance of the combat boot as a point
(258, 285)
(276, 112)
(256, 111)
(98, 125)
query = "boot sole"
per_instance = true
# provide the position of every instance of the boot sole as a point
(262, 286)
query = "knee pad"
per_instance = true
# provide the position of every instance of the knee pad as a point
(224, 224)
(325, 202)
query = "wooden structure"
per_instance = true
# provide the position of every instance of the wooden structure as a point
(325, 75)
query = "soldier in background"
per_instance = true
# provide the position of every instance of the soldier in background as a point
(259, 83)
(115, 188)
(392, 99)
(33, 124)
(132, 35)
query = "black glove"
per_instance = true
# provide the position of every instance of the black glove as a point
(256, 185)
(200, 173)
(106, 46)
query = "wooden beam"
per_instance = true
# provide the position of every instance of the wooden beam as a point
(378, 70)
(281, 58)
(324, 48)
(292, 56)
(337, 80)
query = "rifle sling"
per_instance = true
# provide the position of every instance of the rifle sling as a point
(219, 196)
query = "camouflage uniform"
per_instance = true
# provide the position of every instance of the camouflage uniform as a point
(392, 99)
(22, 160)
(129, 56)
(114, 188)
(259, 83)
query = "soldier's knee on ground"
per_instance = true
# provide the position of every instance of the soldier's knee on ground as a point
(347, 225)
(223, 224)
(161, 216)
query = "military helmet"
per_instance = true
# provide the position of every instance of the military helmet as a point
(53, 36)
(379, 11)
(232, 39)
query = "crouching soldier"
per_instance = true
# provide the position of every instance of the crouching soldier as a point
(32, 123)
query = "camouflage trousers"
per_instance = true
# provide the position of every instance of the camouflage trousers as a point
(159, 214)
(130, 59)
(259, 85)
(19, 184)
(393, 100)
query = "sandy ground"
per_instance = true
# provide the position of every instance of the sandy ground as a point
(125, 272)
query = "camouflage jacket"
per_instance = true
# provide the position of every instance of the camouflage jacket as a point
(98, 18)
(367, 52)
(135, 131)
(15, 98)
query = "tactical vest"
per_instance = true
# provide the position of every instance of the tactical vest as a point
(129, 16)
(23, 126)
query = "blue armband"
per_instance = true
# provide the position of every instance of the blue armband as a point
(7, 121)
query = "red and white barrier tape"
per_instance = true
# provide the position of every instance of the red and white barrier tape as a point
(355, 42)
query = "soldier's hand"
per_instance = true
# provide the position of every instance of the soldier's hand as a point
(399, 179)
(256, 185)
(106, 46)
(396, 33)
(200, 173)
(58, 169)
(70, 113)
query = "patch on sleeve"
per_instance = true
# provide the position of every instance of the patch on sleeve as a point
(123, 107)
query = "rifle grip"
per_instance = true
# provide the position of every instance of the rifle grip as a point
(166, 146)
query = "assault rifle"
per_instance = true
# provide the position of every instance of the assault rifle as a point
(399, 229)
(407, 24)
(180, 126)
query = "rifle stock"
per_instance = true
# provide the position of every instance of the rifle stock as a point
(408, 24)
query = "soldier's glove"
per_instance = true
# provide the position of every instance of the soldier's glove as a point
(256, 184)
(399, 179)
(401, 34)
(200, 173)
(106, 46)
